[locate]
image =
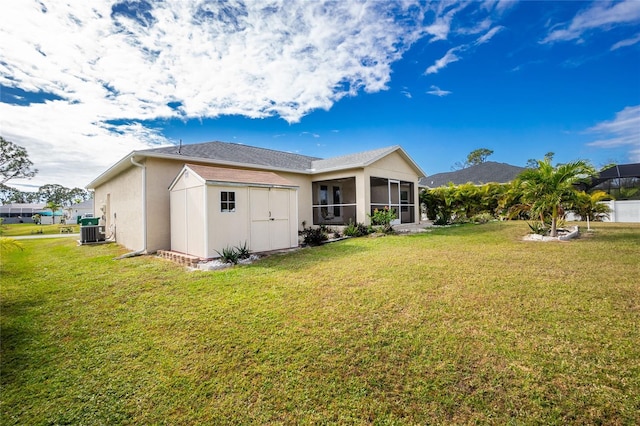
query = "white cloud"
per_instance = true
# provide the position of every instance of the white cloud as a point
(626, 43)
(111, 66)
(452, 55)
(623, 130)
(600, 15)
(447, 59)
(489, 34)
(314, 135)
(441, 25)
(436, 91)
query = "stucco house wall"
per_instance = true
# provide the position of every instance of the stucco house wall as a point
(119, 203)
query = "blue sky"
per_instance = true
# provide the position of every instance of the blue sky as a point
(84, 83)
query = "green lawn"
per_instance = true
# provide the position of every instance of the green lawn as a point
(461, 325)
(20, 229)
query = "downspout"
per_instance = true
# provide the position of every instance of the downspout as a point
(143, 250)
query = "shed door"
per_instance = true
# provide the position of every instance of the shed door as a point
(269, 219)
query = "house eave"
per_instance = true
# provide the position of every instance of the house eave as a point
(125, 163)
(116, 169)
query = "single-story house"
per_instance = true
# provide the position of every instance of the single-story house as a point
(77, 210)
(144, 202)
(20, 212)
(480, 174)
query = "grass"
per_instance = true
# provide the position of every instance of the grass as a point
(461, 325)
(21, 229)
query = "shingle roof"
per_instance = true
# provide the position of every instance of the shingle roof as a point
(238, 153)
(489, 171)
(358, 159)
(224, 174)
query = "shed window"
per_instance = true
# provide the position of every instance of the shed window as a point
(227, 201)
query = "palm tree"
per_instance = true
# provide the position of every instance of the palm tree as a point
(547, 189)
(53, 206)
(6, 243)
(589, 207)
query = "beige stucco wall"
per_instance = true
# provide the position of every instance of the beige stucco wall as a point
(122, 201)
(392, 166)
(160, 174)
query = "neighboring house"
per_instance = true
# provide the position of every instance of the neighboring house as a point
(20, 212)
(621, 181)
(48, 218)
(74, 212)
(487, 172)
(134, 195)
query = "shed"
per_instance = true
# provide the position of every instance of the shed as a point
(213, 208)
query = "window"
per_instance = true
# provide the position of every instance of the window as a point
(227, 201)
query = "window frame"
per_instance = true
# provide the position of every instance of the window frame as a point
(227, 201)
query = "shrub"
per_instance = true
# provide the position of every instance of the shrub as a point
(243, 251)
(356, 229)
(482, 218)
(315, 236)
(538, 227)
(229, 255)
(383, 218)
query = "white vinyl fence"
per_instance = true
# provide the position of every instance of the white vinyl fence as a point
(623, 211)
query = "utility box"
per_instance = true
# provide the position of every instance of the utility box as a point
(89, 221)
(91, 234)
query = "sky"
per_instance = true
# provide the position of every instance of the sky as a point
(84, 83)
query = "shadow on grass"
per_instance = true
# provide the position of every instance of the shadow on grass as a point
(19, 344)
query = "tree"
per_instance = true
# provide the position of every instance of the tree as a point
(14, 162)
(53, 193)
(547, 189)
(77, 195)
(475, 157)
(54, 207)
(478, 156)
(590, 206)
(61, 195)
(532, 163)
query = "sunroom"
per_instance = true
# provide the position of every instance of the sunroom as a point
(335, 201)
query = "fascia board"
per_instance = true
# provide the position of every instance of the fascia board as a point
(244, 185)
